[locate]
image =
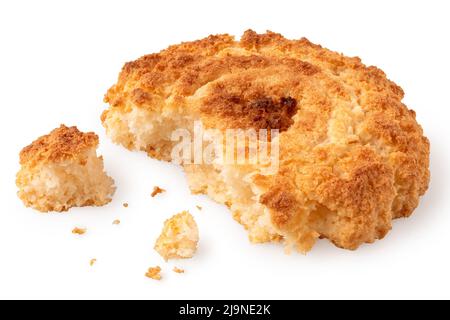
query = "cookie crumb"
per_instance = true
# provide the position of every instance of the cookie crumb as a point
(179, 237)
(154, 273)
(116, 222)
(79, 231)
(125, 205)
(157, 190)
(199, 208)
(178, 270)
(92, 262)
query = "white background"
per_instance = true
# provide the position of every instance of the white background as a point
(58, 58)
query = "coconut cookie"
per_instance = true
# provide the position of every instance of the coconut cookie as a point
(352, 156)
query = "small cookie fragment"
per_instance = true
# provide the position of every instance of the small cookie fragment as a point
(157, 190)
(154, 273)
(178, 270)
(179, 237)
(79, 231)
(116, 222)
(199, 208)
(61, 170)
(92, 262)
(125, 205)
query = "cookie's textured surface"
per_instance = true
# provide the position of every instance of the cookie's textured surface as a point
(352, 156)
(61, 170)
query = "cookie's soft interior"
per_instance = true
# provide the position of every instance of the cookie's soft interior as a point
(63, 185)
(230, 185)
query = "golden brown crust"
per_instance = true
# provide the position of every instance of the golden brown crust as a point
(61, 144)
(258, 112)
(352, 155)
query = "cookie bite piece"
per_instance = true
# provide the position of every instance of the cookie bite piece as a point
(179, 238)
(61, 170)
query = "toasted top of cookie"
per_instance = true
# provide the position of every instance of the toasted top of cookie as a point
(61, 144)
(348, 144)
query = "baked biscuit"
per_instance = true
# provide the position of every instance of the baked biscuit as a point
(61, 170)
(352, 157)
